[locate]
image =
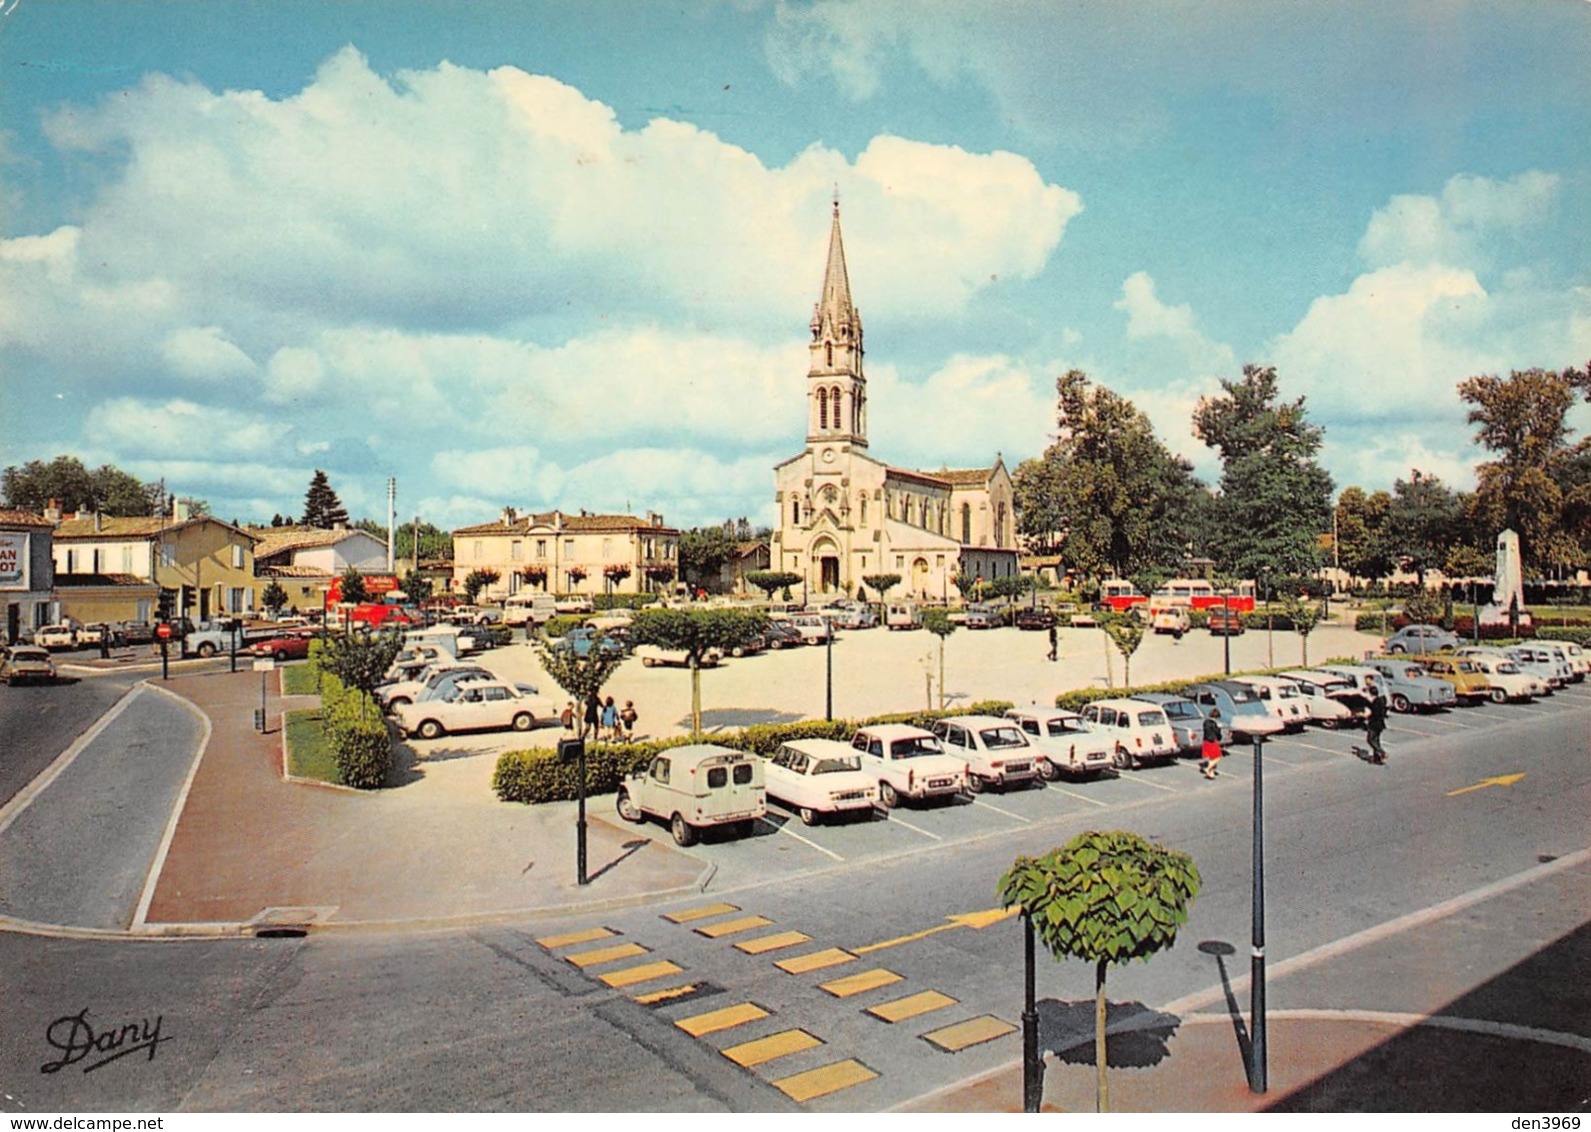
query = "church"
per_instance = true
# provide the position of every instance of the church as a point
(844, 515)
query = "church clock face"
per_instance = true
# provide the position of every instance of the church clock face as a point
(828, 455)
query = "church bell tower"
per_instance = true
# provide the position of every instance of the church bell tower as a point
(836, 388)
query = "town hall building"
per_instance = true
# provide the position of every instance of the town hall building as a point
(844, 515)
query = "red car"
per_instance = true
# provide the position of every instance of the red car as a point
(295, 647)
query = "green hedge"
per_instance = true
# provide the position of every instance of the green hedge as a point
(558, 626)
(1580, 636)
(358, 734)
(536, 775)
(623, 601)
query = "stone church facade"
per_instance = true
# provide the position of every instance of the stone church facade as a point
(844, 514)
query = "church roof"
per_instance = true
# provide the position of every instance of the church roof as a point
(932, 479)
(965, 477)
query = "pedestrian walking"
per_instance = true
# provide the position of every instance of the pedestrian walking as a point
(1054, 641)
(592, 719)
(1377, 721)
(610, 721)
(1211, 753)
(627, 717)
(568, 718)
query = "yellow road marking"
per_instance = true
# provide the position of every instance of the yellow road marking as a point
(823, 1081)
(1500, 780)
(801, 964)
(974, 920)
(653, 997)
(629, 976)
(730, 927)
(865, 981)
(911, 1006)
(706, 910)
(970, 1033)
(772, 942)
(713, 1021)
(748, 1054)
(583, 959)
(553, 942)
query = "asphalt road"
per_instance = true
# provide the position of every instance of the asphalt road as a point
(490, 1019)
(39, 721)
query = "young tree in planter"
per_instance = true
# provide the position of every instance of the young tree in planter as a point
(577, 574)
(615, 574)
(580, 676)
(769, 580)
(937, 621)
(1304, 615)
(881, 583)
(1126, 632)
(476, 581)
(534, 576)
(660, 575)
(360, 660)
(1104, 898)
(274, 597)
(696, 631)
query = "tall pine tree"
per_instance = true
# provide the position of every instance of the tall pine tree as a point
(322, 508)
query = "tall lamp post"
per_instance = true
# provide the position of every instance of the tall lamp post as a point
(828, 656)
(1226, 629)
(1032, 1067)
(1257, 1067)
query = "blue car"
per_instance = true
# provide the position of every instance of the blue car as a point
(1241, 710)
(582, 640)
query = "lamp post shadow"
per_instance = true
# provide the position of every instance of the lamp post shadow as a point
(631, 848)
(1245, 1043)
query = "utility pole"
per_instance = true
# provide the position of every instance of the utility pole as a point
(392, 521)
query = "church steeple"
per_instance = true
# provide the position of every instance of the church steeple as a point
(836, 387)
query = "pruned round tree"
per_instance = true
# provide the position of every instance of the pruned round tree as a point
(1106, 898)
(1126, 632)
(937, 621)
(695, 631)
(581, 675)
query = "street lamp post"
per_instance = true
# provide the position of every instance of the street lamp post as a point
(1226, 629)
(828, 657)
(1032, 1068)
(1270, 641)
(576, 749)
(1257, 1068)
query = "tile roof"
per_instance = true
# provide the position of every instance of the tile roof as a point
(132, 526)
(932, 479)
(966, 477)
(577, 524)
(68, 581)
(290, 572)
(281, 540)
(23, 519)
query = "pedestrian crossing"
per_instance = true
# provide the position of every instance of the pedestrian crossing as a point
(877, 993)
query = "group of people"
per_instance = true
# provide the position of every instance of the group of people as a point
(601, 721)
(1375, 727)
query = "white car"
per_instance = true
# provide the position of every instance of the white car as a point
(611, 619)
(1333, 701)
(814, 777)
(1068, 745)
(908, 762)
(476, 705)
(1141, 731)
(1506, 681)
(813, 627)
(1579, 660)
(1281, 698)
(573, 605)
(393, 696)
(55, 637)
(996, 751)
(654, 655)
(696, 787)
(1171, 619)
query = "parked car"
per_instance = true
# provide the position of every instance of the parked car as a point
(903, 615)
(1333, 701)
(781, 634)
(855, 616)
(93, 635)
(1470, 684)
(1543, 660)
(1186, 721)
(137, 633)
(1409, 688)
(573, 604)
(1506, 681)
(1422, 639)
(1240, 708)
(475, 705)
(1225, 622)
(694, 788)
(1542, 671)
(813, 627)
(655, 655)
(818, 777)
(996, 751)
(394, 696)
(611, 619)
(293, 646)
(983, 617)
(1035, 617)
(1281, 698)
(55, 637)
(1066, 744)
(581, 641)
(1142, 732)
(908, 762)
(1172, 619)
(526, 608)
(1579, 660)
(23, 664)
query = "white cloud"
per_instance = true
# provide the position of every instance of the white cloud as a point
(203, 353)
(1457, 228)
(965, 413)
(180, 429)
(1148, 319)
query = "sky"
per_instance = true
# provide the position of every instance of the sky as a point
(564, 254)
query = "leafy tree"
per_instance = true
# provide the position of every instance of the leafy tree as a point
(1304, 615)
(120, 493)
(361, 660)
(615, 573)
(1103, 897)
(1107, 495)
(353, 588)
(769, 580)
(1421, 523)
(881, 583)
(937, 621)
(280, 520)
(702, 554)
(1362, 546)
(322, 508)
(1011, 586)
(660, 575)
(477, 580)
(108, 489)
(580, 676)
(696, 631)
(1126, 632)
(1275, 497)
(273, 597)
(1534, 485)
(416, 586)
(536, 576)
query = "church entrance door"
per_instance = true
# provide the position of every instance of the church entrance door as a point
(919, 582)
(830, 576)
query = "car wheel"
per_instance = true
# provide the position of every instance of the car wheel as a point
(1400, 704)
(1123, 759)
(1395, 649)
(808, 815)
(684, 833)
(737, 652)
(524, 721)
(1499, 696)
(206, 649)
(627, 808)
(1048, 771)
(649, 661)
(1331, 724)
(887, 795)
(280, 654)
(975, 784)
(430, 729)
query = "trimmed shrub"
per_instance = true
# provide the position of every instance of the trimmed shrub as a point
(359, 738)
(1578, 635)
(623, 601)
(560, 625)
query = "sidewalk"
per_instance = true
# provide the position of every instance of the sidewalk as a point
(428, 852)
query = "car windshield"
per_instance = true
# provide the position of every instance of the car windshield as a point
(915, 747)
(1507, 667)
(1151, 719)
(999, 738)
(1180, 710)
(1414, 672)
(837, 765)
(1242, 696)
(1066, 725)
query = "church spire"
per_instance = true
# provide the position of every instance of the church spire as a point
(836, 388)
(834, 305)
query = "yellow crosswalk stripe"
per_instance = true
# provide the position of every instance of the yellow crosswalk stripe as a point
(911, 1006)
(748, 1054)
(816, 961)
(824, 1080)
(589, 935)
(970, 1033)
(629, 976)
(584, 959)
(690, 915)
(652, 998)
(715, 1020)
(773, 942)
(730, 927)
(858, 983)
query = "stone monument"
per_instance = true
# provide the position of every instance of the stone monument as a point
(1508, 595)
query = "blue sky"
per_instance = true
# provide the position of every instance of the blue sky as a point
(563, 254)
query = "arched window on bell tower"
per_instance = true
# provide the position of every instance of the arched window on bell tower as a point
(823, 409)
(834, 400)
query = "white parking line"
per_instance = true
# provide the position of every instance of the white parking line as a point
(1074, 794)
(790, 833)
(897, 821)
(1323, 750)
(1146, 782)
(998, 810)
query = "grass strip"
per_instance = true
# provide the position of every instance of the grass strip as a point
(309, 750)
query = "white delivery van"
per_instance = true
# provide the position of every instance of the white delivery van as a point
(694, 788)
(528, 609)
(903, 615)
